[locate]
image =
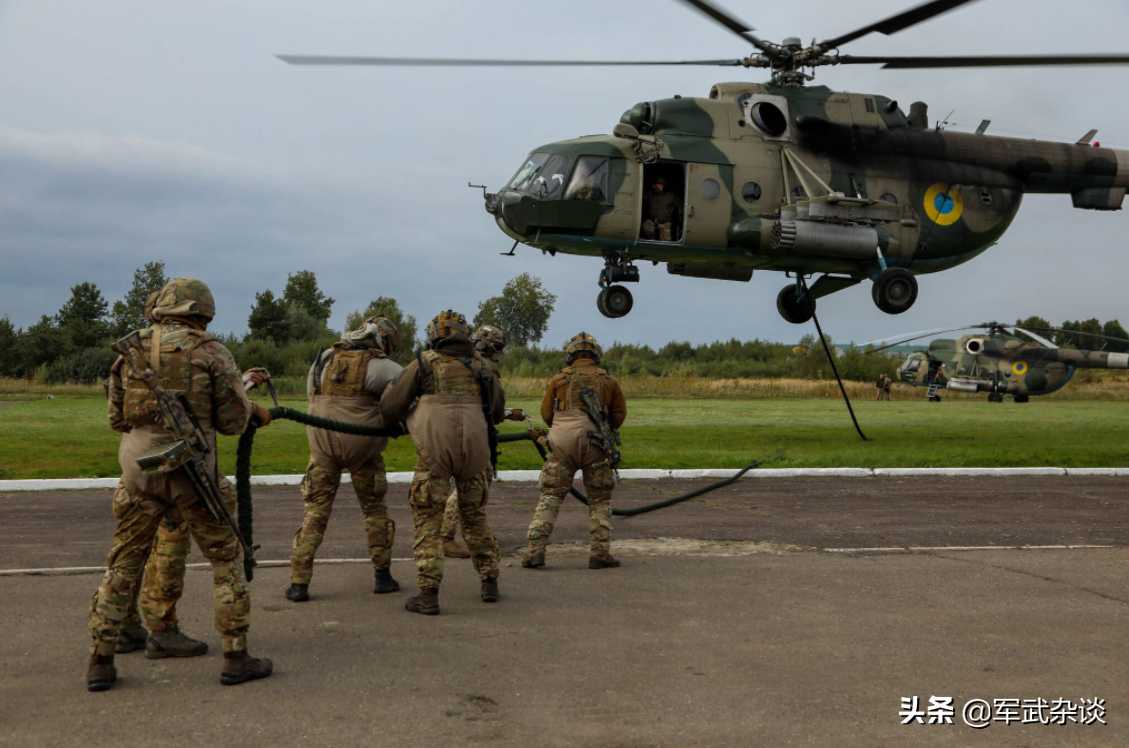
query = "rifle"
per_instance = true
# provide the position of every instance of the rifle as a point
(486, 395)
(605, 437)
(191, 449)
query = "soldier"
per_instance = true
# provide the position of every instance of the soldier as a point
(490, 343)
(660, 212)
(454, 395)
(192, 363)
(161, 587)
(883, 386)
(571, 441)
(345, 384)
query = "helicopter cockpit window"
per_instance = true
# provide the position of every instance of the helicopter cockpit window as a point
(589, 180)
(527, 171)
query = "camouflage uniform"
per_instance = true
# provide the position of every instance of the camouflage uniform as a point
(155, 599)
(345, 384)
(573, 449)
(194, 364)
(489, 342)
(449, 431)
(661, 211)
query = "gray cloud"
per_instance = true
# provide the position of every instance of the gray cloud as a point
(132, 133)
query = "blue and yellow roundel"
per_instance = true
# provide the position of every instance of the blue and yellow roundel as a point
(943, 204)
(1019, 368)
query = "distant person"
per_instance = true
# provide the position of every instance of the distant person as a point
(447, 395)
(571, 438)
(661, 211)
(883, 387)
(192, 363)
(345, 384)
(490, 343)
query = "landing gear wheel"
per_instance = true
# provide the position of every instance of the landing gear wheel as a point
(795, 307)
(614, 302)
(995, 397)
(934, 398)
(895, 290)
(1022, 398)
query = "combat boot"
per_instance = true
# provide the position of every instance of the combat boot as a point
(454, 549)
(173, 643)
(602, 562)
(384, 582)
(534, 560)
(425, 603)
(240, 667)
(298, 593)
(490, 592)
(131, 638)
(100, 673)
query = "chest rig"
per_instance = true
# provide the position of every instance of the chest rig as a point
(169, 353)
(447, 375)
(577, 378)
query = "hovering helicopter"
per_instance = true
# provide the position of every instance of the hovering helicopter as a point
(787, 177)
(999, 360)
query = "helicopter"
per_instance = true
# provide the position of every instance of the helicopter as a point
(787, 176)
(998, 359)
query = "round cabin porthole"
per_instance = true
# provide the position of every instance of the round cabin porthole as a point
(751, 191)
(768, 117)
(711, 188)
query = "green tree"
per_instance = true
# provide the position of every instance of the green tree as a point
(522, 310)
(129, 313)
(302, 326)
(302, 290)
(41, 344)
(1034, 324)
(1113, 329)
(82, 318)
(9, 353)
(386, 306)
(269, 319)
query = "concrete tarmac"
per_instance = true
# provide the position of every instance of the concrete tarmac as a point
(730, 623)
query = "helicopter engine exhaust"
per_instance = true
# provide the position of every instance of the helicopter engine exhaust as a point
(974, 346)
(818, 239)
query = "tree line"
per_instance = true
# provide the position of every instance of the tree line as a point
(286, 330)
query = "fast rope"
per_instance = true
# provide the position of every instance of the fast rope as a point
(831, 360)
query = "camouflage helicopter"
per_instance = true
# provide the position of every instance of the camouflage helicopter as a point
(999, 360)
(788, 177)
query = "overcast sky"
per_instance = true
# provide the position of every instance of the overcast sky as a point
(135, 130)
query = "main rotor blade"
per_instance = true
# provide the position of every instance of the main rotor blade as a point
(983, 61)
(729, 21)
(899, 22)
(1080, 333)
(476, 62)
(1037, 338)
(909, 337)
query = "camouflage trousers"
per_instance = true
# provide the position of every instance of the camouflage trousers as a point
(428, 499)
(155, 599)
(138, 519)
(451, 514)
(319, 489)
(556, 480)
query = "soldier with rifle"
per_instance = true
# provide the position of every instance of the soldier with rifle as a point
(451, 403)
(584, 408)
(174, 389)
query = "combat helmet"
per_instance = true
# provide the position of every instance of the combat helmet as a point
(447, 324)
(489, 340)
(582, 343)
(184, 297)
(377, 332)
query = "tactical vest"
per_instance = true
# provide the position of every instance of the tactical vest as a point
(175, 374)
(577, 378)
(441, 374)
(344, 374)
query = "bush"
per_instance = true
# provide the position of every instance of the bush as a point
(84, 366)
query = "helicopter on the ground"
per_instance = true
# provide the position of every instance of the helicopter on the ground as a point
(1000, 360)
(788, 177)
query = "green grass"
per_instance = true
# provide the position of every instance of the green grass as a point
(69, 437)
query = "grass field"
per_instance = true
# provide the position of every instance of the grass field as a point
(69, 437)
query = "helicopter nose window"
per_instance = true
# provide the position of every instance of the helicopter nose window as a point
(549, 179)
(589, 180)
(527, 171)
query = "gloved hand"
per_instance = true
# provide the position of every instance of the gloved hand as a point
(260, 415)
(254, 377)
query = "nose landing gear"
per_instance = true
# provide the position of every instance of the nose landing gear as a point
(795, 304)
(614, 300)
